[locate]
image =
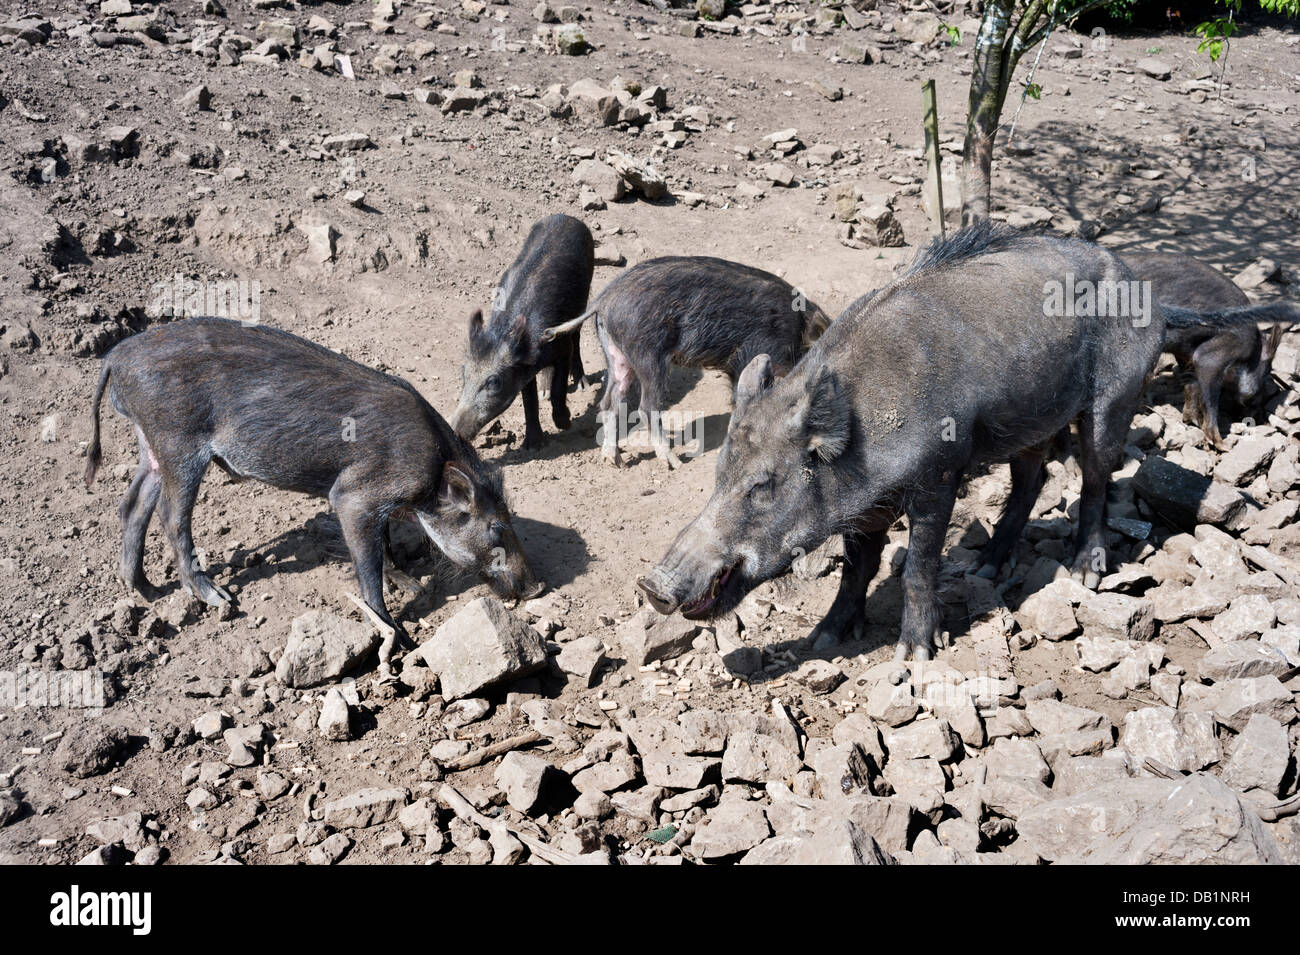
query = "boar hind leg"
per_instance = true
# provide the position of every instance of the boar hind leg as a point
(1101, 437)
(363, 532)
(845, 618)
(1026, 482)
(136, 511)
(1209, 386)
(613, 407)
(180, 488)
(927, 518)
(654, 391)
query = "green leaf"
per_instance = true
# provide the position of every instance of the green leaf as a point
(1034, 91)
(954, 33)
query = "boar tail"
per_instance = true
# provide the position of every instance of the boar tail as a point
(93, 452)
(1277, 312)
(555, 331)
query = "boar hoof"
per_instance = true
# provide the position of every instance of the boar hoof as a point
(208, 592)
(580, 383)
(1088, 578)
(827, 635)
(613, 458)
(533, 442)
(919, 652)
(669, 457)
(562, 419)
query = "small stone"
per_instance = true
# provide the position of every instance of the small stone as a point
(757, 758)
(522, 777)
(335, 722)
(1180, 740)
(735, 826)
(322, 647)
(1156, 69)
(365, 808)
(1260, 757)
(90, 750)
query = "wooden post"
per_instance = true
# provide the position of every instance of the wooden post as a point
(934, 171)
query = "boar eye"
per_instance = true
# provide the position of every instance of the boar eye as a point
(762, 488)
(492, 385)
(496, 530)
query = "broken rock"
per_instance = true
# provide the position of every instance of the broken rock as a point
(482, 645)
(322, 647)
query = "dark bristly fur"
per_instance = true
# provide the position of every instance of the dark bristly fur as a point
(268, 405)
(510, 353)
(693, 311)
(1211, 331)
(952, 364)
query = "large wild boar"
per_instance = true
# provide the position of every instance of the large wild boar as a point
(982, 351)
(265, 404)
(1240, 356)
(510, 352)
(689, 311)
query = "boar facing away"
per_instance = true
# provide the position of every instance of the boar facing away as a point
(694, 312)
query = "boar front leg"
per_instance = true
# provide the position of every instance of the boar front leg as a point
(1102, 432)
(845, 619)
(1026, 482)
(533, 436)
(560, 389)
(654, 391)
(927, 517)
(363, 532)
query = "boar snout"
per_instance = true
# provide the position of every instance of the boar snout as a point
(658, 593)
(464, 423)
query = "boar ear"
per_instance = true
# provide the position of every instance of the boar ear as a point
(476, 323)
(753, 381)
(1272, 338)
(517, 337)
(456, 489)
(824, 416)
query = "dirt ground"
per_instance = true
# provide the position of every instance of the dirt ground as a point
(241, 190)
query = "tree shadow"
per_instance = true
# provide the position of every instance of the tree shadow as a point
(1224, 206)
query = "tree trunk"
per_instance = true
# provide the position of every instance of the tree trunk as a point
(987, 90)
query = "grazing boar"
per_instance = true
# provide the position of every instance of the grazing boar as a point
(1240, 356)
(510, 353)
(972, 355)
(267, 405)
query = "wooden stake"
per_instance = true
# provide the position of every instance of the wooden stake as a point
(934, 169)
